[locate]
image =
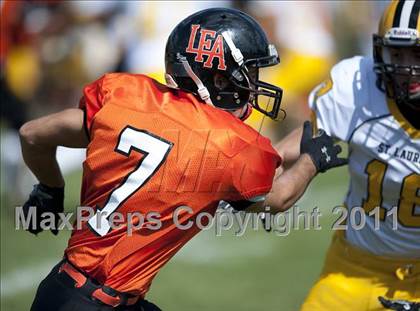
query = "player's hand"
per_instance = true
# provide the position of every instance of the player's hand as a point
(45, 200)
(321, 149)
(400, 305)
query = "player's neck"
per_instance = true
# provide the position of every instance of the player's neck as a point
(410, 114)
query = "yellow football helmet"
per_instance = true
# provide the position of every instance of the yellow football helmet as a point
(397, 51)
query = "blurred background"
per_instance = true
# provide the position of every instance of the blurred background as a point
(50, 49)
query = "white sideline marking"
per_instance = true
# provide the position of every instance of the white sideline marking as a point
(208, 248)
(24, 279)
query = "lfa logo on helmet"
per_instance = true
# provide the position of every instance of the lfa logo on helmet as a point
(207, 47)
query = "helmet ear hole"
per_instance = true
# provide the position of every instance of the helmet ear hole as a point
(220, 82)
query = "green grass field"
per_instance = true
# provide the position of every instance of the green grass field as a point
(258, 271)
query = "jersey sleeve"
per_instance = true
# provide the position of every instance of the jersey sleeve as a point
(334, 102)
(254, 170)
(92, 101)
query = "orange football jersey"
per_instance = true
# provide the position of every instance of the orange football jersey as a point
(155, 149)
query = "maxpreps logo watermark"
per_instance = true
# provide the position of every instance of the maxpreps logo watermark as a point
(225, 219)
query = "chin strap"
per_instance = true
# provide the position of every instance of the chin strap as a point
(203, 92)
(236, 53)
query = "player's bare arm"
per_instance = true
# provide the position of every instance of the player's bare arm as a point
(39, 141)
(289, 147)
(288, 186)
(40, 138)
(316, 154)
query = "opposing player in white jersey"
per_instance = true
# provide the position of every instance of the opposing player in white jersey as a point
(374, 106)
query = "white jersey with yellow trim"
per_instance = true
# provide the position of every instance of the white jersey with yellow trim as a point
(384, 158)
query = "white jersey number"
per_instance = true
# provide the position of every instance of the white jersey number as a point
(155, 150)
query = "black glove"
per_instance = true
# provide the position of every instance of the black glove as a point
(400, 305)
(44, 199)
(321, 148)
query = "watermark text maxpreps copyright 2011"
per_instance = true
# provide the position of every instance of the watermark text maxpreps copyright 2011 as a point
(184, 218)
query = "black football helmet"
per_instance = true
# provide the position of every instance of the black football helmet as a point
(399, 30)
(216, 54)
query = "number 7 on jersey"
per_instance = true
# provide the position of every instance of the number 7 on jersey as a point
(155, 150)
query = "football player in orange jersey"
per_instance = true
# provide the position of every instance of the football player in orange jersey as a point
(154, 148)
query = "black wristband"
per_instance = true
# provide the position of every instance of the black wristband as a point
(54, 191)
